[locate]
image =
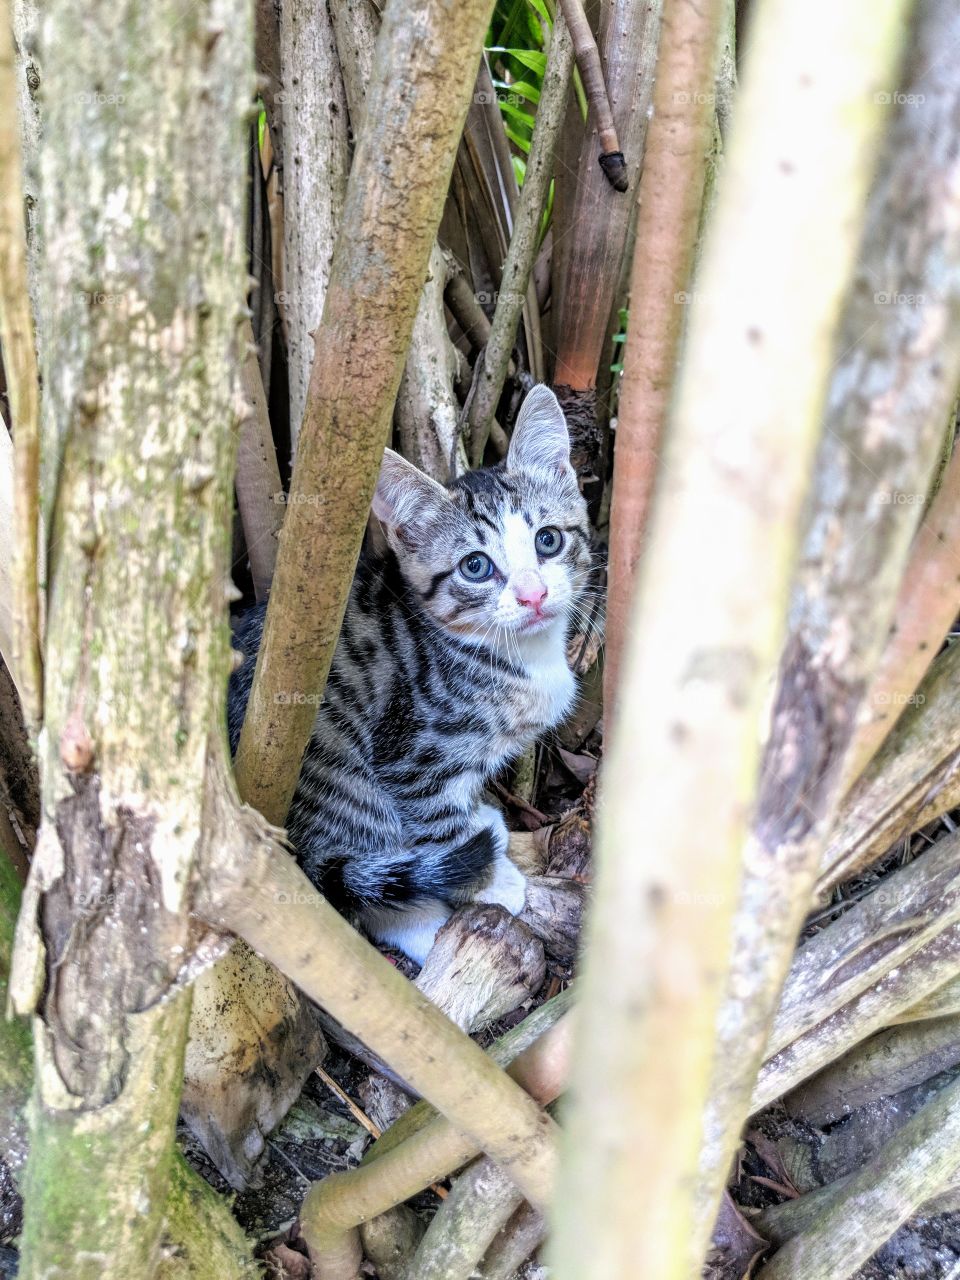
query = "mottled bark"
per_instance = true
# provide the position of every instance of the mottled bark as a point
(706, 637)
(915, 1164)
(414, 112)
(895, 1059)
(478, 1206)
(891, 388)
(141, 289)
(906, 910)
(898, 987)
(427, 411)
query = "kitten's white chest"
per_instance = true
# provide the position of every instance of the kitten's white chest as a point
(551, 688)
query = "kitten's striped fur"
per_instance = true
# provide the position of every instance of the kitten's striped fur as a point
(436, 683)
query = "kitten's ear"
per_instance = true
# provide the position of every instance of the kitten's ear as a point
(405, 497)
(540, 441)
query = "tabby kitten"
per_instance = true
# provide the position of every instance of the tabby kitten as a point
(451, 661)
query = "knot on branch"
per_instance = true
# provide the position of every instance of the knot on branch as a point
(614, 167)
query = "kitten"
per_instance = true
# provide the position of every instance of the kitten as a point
(450, 663)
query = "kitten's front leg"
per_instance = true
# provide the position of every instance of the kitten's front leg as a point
(506, 884)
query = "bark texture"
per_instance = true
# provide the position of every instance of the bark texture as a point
(915, 1165)
(889, 396)
(141, 288)
(707, 633)
(315, 164)
(414, 113)
(927, 605)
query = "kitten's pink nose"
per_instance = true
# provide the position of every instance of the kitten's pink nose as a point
(531, 592)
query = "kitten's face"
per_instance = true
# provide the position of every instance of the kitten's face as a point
(506, 551)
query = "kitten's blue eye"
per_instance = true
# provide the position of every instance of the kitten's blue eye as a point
(476, 567)
(548, 541)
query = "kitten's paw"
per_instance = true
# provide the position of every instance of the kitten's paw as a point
(507, 887)
(411, 929)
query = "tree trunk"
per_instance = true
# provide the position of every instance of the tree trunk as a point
(707, 632)
(142, 279)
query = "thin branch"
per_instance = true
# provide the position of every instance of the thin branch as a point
(525, 239)
(267, 900)
(670, 198)
(20, 367)
(591, 72)
(394, 199)
(259, 491)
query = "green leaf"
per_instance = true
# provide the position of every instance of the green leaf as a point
(519, 89)
(540, 8)
(516, 139)
(534, 60)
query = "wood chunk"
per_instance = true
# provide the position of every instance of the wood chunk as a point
(484, 964)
